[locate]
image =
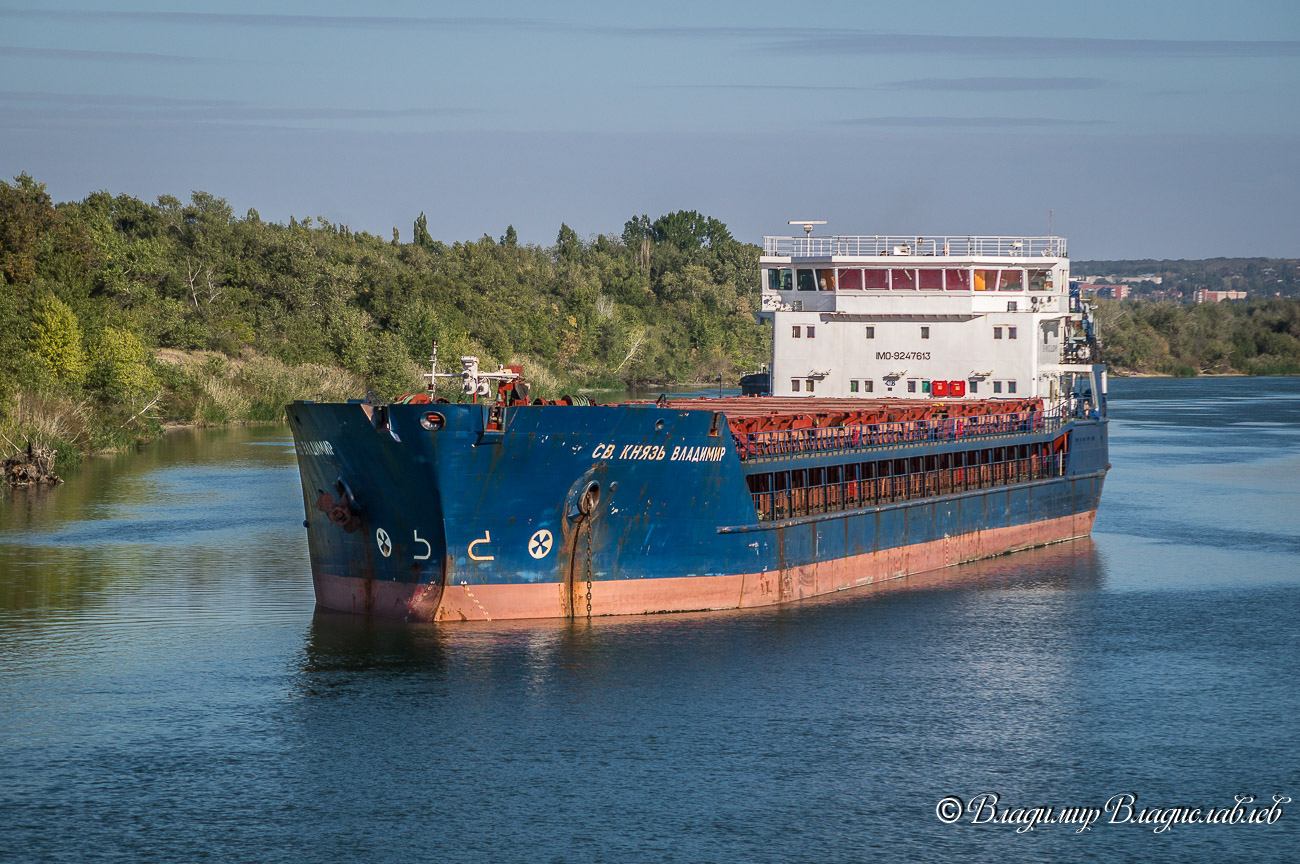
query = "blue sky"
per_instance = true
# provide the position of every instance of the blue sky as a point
(1150, 129)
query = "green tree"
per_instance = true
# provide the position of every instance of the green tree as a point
(688, 230)
(391, 371)
(422, 237)
(119, 369)
(56, 340)
(567, 245)
(26, 214)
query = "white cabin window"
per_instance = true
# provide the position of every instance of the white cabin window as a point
(810, 383)
(871, 332)
(795, 331)
(911, 386)
(812, 332)
(853, 386)
(1012, 305)
(997, 386)
(1011, 332)
(794, 384)
(1011, 386)
(997, 332)
(868, 385)
(973, 386)
(925, 332)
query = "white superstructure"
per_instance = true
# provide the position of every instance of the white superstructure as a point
(922, 317)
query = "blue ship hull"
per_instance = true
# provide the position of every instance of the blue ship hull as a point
(558, 511)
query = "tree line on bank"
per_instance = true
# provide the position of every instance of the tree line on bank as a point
(117, 315)
(1254, 337)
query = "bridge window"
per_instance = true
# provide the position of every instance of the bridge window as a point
(956, 280)
(780, 279)
(1011, 280)
(807, 280)
(986, 280)
(903, 280)
(826, 280)
(929, 280)
(1040, 280)
(850, 280)
(875, 280)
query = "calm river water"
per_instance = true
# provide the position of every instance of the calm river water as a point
(168, 693)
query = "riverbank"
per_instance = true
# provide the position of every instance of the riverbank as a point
(204, 389)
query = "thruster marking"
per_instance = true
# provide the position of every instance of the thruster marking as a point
(486, 538)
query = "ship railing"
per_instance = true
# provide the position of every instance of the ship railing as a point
(878, 245)
(847, 487)
(877, 436)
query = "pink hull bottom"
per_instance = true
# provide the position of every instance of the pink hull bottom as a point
(684, 594)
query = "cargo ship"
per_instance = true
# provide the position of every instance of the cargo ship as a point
(928, 401)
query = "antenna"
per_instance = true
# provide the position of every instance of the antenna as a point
(1049, 223)
(807, 224)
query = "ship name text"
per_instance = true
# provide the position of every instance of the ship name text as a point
(658, 452)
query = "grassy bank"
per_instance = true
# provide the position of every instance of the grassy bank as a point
(200, 388)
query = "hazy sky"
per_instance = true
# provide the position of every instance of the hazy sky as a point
(1150, 129)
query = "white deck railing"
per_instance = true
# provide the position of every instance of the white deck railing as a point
(875, 245)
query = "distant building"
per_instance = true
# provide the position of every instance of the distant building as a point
(1130, 280)
(1204, 296)
(1114, 292)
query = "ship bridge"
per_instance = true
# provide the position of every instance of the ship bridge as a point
(918, 316)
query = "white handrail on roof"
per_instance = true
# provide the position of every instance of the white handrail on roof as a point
(870, 246)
